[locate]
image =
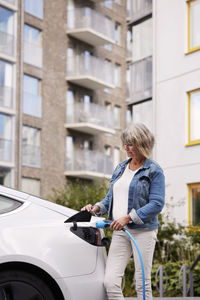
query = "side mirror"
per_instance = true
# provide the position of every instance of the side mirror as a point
(90, 235)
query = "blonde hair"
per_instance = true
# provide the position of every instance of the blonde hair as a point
(140, 136)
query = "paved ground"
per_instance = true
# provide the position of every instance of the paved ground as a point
(174, 298)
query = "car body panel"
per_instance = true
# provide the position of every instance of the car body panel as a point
(35, 233)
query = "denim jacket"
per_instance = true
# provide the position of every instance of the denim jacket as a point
(146, 195)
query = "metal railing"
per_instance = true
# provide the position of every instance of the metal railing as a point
(6, 150)
(141, 79)
(90, 113)
(7, 44)
(82, 65)
(33, 54)
(139, 9)
(32, 104)
(87, 160)
(186, 280)
(6, 96)
(88, 18)
(31, 155)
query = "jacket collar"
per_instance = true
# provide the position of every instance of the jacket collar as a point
(146, 164)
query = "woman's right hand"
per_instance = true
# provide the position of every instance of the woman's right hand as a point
(91, 208)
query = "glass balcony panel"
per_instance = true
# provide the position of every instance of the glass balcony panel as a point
(141, 80)
(14, 2)
(87, 18)
(90, 113)
(87, 160)
(31, 155)
(32, 105)
(90, 66)
(6, 150)
(7, 44)
(6, 96)
(33, 54)
(140, 9)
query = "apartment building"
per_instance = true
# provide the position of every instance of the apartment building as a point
(62, 91)
(164, 76)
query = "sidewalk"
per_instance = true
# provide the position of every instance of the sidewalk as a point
(172, 298)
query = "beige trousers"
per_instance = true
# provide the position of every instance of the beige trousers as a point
(120, 251)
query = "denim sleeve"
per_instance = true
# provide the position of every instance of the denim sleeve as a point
(156, 198)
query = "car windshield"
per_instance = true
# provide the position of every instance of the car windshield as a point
(7, 204)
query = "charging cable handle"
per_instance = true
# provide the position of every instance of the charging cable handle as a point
(140, 257)
(103, 224)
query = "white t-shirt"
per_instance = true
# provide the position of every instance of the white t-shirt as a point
(120, 193)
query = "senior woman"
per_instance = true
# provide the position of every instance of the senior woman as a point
(135, 198)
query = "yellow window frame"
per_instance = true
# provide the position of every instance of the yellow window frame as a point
(190, 50)
(190, 186)
(191, 142)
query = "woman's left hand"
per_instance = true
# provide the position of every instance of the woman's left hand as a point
(120, 223)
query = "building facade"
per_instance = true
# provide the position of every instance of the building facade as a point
(62, 91)
(165, 94)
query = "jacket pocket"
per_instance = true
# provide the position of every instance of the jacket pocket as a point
(143, 190)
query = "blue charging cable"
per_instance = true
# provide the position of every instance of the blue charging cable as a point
(103, 224)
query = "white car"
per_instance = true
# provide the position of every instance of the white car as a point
(42, 257)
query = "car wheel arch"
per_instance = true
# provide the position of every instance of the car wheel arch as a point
(37, 271)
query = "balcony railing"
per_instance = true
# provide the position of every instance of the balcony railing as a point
(6, 96)
(141, 80)
(31, 155)
(90, 72)
(6, 150)
(90, 26)
(88, 164)
(7, 44)
(140, 9)
(32, 105)
(90, 118)
(33, 54)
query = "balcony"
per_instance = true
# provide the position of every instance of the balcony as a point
(33, 54)
(6, 150)
(89, 26)
(32, 105)
(31, 156)
(139, 10)
(90, 72)
(6, 97)
(89, 165)
(13, 2)
(141, 80)
(89, 118)
(7, 44)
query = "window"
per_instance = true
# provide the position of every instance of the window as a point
(31, 146)
(6, 84)
(32, 96)
(70, 14)
(117, 75)
(7, 204)
(143, 113)
(70, 113)
(129, 43)
(5, 176)
(116, 156)
(108, 4)
(193, 25)
(32, 46)
(142, 40)
(34, 7)
(30, 186)
(194, 117)
(194, 204)
(5, 138)
(117, 33)
(7, 41)
(128, 116)
(70, 61)
(107, 150)
(117, 116)
(69, 153)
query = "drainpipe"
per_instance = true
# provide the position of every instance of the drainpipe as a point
(21, 73)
